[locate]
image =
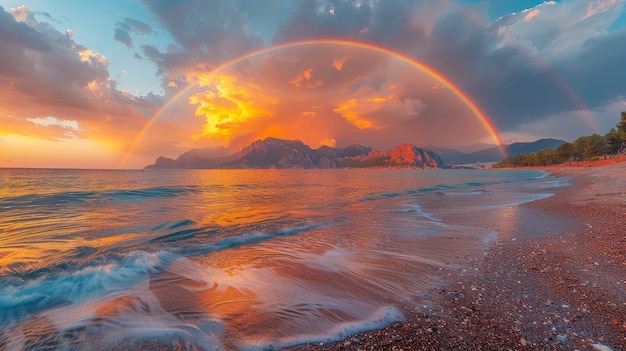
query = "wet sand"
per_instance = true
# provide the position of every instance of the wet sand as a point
(557, 283)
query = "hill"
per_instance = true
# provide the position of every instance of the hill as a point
(494, 153)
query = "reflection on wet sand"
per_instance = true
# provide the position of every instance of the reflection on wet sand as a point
(236, 260)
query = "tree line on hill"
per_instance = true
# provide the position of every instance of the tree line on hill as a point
(583, 149)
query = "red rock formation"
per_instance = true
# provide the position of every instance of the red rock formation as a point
(407, 155)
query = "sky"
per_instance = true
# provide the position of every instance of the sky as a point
(116, 84)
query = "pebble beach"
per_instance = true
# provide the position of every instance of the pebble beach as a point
(557, 282)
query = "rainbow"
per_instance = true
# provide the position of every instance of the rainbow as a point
(480, 115)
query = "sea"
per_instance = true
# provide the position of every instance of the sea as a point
(237, 259)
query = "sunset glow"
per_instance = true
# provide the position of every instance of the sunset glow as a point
(74, 101)
(324, 85)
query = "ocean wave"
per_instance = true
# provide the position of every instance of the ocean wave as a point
(215, 261)
(182, 235)
(556, 183)
(23, 298)
(461, 193)
(107, 196)
(418, 211)
(381, 318)
(252, 237)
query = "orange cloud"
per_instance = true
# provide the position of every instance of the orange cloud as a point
(596, 7)
(227, 104)
(377, 100)
(531, 14)
(309, 114)
(338, 63)
(379, 112)
(353, 112)
(329, 142)
(304, 80)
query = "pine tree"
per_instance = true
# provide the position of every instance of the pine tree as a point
(621, 126)
(616, 138)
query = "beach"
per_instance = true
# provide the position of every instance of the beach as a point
(447, 260)
(555, 283)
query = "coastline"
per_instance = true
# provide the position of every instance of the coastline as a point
(557, 283)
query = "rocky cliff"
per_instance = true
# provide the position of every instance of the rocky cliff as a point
(407, 155)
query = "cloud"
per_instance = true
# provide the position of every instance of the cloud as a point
(324, 19)
(520, 68)
(123, 37)
(329, 142)
(569, 59)
(138, 26)
(70, 127)
(305, 79)
(545, 63)
(227, 105)
(374, 99)
(53, 121)
(379, 111)
(531, 14)
(338, 64)
(551, 28)
(206, 34)
(128, 25)
(45, 73)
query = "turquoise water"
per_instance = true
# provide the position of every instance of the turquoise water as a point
(235, 259)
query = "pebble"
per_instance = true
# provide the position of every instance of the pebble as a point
(574, 306)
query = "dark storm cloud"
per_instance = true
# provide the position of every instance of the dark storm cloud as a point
(564, 62)
(331, 19)
(597, 71)
(207, 33)
(507, 81)
(525, 67)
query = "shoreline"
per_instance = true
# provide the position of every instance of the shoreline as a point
(557, 283)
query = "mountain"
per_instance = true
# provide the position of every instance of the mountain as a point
(494, 153)
(468, 149)
(449, 155)
(535, 146)
(279, 153)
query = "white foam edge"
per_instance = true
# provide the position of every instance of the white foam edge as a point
(380, 318)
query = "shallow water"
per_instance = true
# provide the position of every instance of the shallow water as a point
(235, 259)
